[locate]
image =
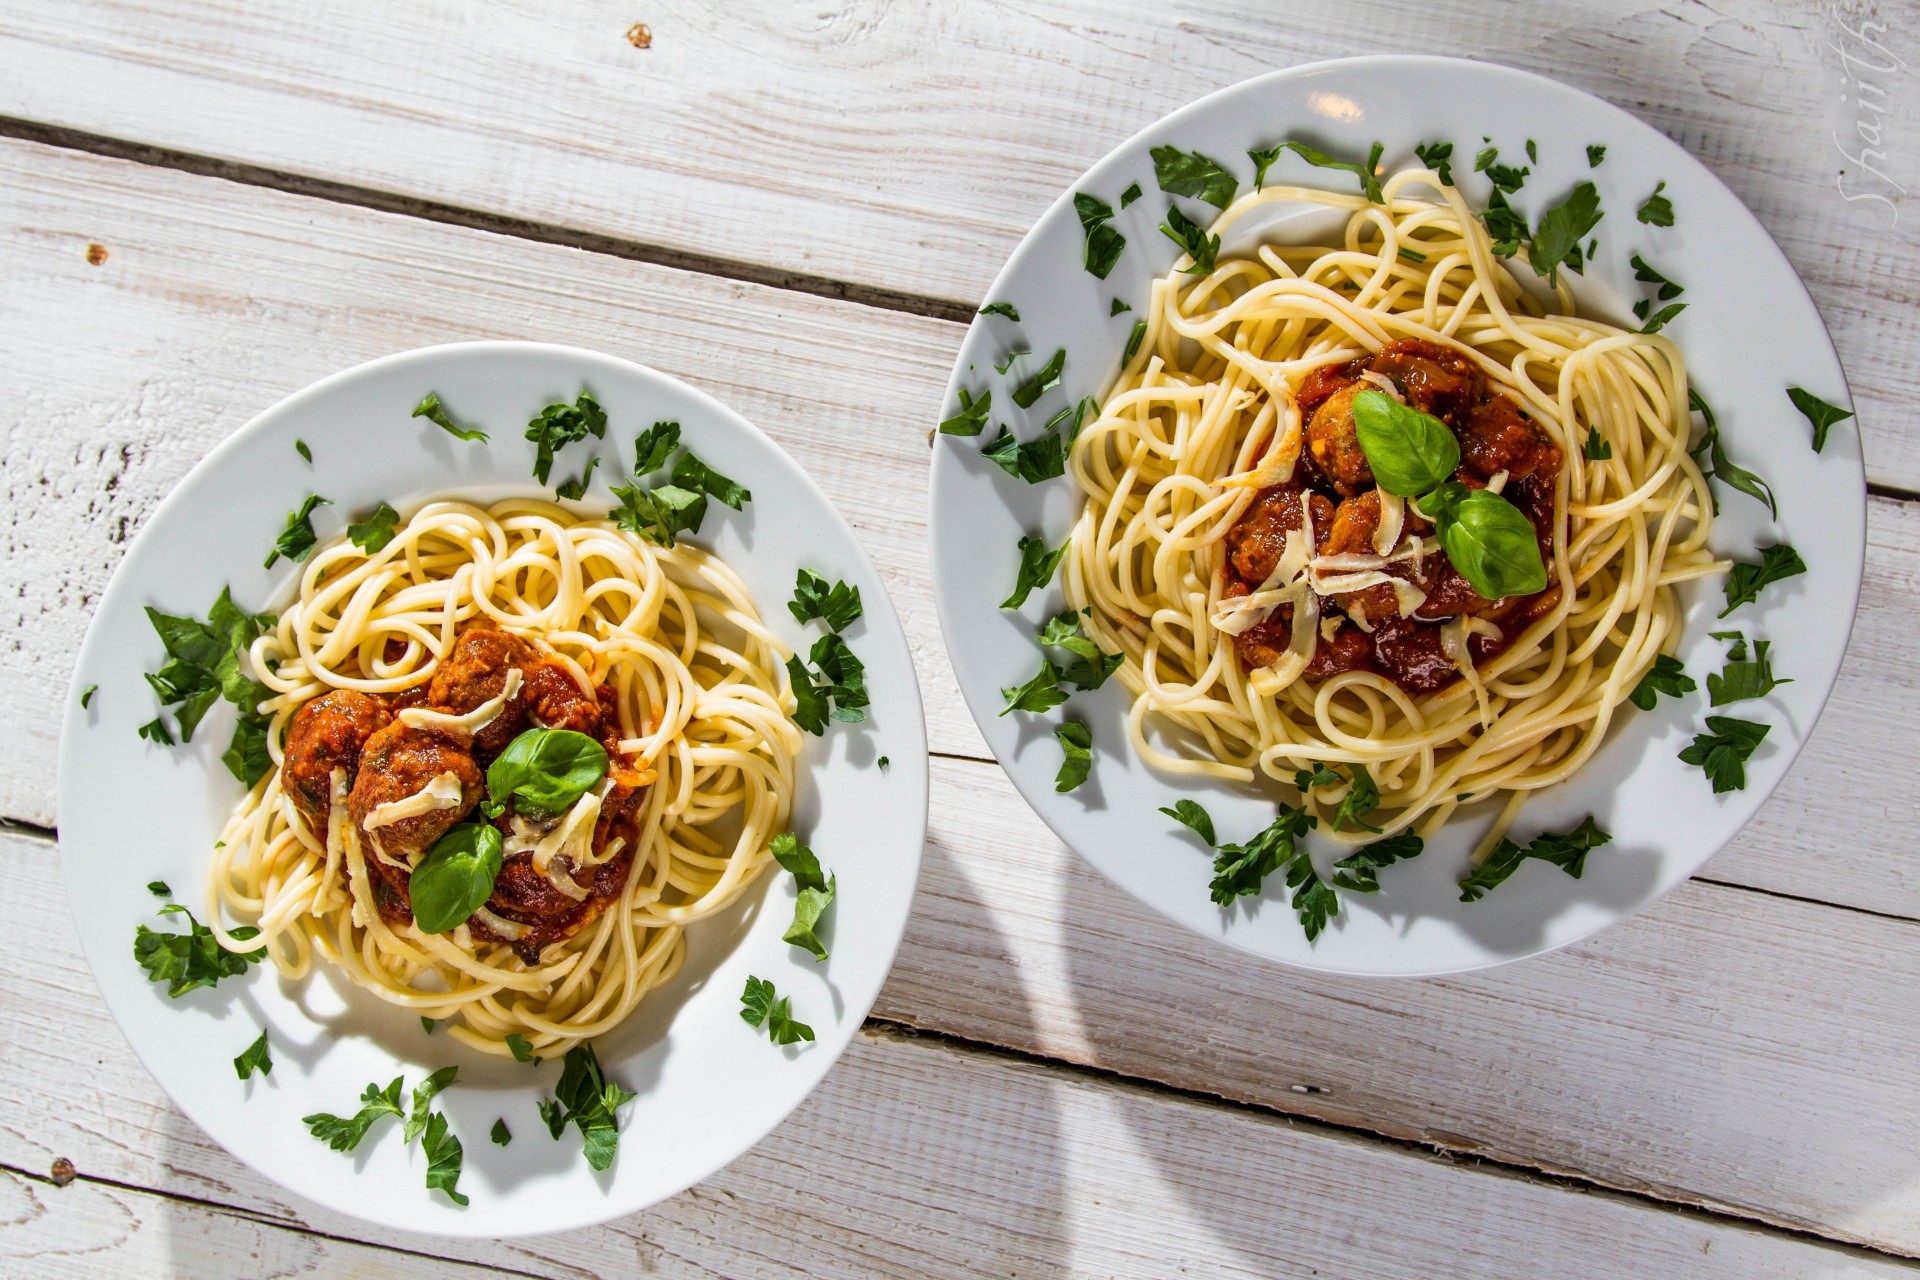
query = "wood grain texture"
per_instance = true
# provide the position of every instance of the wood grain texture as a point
(907, 145)
(122, 376)
(912, 1159)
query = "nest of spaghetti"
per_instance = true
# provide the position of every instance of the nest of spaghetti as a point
(1464, 633)
(517, 752)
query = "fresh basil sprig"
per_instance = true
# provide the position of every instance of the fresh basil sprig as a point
(546, 770)
(1490, 541)
(1410, 452)
(456, 877)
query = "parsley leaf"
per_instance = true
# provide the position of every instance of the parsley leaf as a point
(1743, 678)
(838, 606)
(192, 959)
(1723, 751)
(1192, 815)
(155, 730)
(884, 763)
(1597, 449)
(1131, 194)
(1000, 309)
(520, 1047)
(1369, 183)
(1092, 664)
(587, 1099)
(1656, 210)
(1667, 676)
(841, 690)
(1723, 468)
(500, 1134)
(1133, 341)
(972, 416)
(1747, 580)
(422, 1099)
(1188, 173)
(759, 1007)
(1314, 901)
(553, 1115)
(1645, 274)
(1562, 228)
(1041, 693)
(576, 488)
(1596, 152)
(255, 1057)
(159, 889)
(1200, 246)
(297, 540)
(657, 514)
(1036, 569)
(1036, 460)
(346, 1133)
(1359, 871)
(300, 447)
(1564, 849)
(1437, 156)
(426, 1024)
(86, 695)
(1533, 156)
(1104, 244)
(1076, 740)
(444, 1157)
(1505, 225)
(811, 705)
(654, 446)
(816, 892)
(1042, 382)
(376, 531)
(1305, 780)
(1362, 798)
(561, 424)
(1658, 320)
(1240, 869)
(696, 476)
(433, 411)
(1818, 412)
(1119, 306)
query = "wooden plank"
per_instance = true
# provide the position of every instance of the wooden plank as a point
(913, 1159)
(908, 147)
(123, 375)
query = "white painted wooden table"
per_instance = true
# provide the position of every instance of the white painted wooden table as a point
(204, 206)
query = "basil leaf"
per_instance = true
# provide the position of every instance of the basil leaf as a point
(972, 416)
(1036, 569)
(1188, 173)
(1492, 543)
(1192, 815)
(433, 411)
(1104, 244)
(296, 541)
(456, 877)
(376, 531)
(1818, 412)
(1042, 382)
(546, 770)
(1410, 451)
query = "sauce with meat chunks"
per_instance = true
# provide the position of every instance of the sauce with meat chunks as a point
(408, 780)
(1332, 490)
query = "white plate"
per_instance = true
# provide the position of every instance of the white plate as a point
(709, 1085)
(1749, 332)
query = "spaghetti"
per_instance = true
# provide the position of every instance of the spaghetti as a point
(1206, 421)
(663, 643)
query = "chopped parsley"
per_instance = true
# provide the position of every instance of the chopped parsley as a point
(500, 1134)
(1596, 152)
(838, 606)
(839, 693)
(561, 424)
(376, 531)
(1119, 306)
(296, 541)
(1042, 382)
(1659, 319)
(1747, 579)
(1367, 172)
(1200, 246)
(433, 411)
(444, 1156)
(1188, 173)
(1533, 156)
(1667, 676)
(1043, 458)
(884, 763)
(1506, 226)
(1822, 415)
(520, 1047)
(1041, 693)
(192, 959)
(680, 505)
(1743, 678)
(1005, 362)
(423, 1097)
(1359, 871)
(589, 1101)
(576, 488)
(1133, 341)
(816, 888)
(1036, 569)
(344, 1133)
(1000, 309)
(426, 1024)
(1319, 775)
(1104, 244)
(155, 730)
(1723, 750)
(972, 415)
(1362, 798)
(255, 1057)
(760, 1006)
(1566, 850)
(1239, 870)
(1091, 664)
(159, 889)
(1411, 255)
(1656, 210)
(1076, 740)
(692, 474)
(1561, 230)
(1131, 194)
(1722, 467)
(652, 447)
(1437, 156)
(1645, 274)
(300, 447)
(203, 663)
(1597, 449)
(86, 695)
(1190, 814)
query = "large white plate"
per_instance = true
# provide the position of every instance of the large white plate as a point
(709, 1085)
(1749, 332)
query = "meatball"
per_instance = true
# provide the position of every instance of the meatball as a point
(401, 761)
(1259, 536)
(328, 733)
(554, 700)
(1334, 442)
(1496, 436)
(1351, 533)
(1411, 655)
(1434, 379)
(475, 671)
(1348, 649)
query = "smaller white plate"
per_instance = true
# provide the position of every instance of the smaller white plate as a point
(709, 1085)
(1749, 332)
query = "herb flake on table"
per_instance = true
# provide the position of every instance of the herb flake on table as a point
(1566, 850)
(1723, 750)
(1188, 173)
(1076, 742)
(1104, 243)
(837, 605)
(192, 959)
(1037, 564)
(297, 540)
(1817, 412)
(761, 1006)
(433, 411)
(816, 891)
(1747, 579)
(255, 1057)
